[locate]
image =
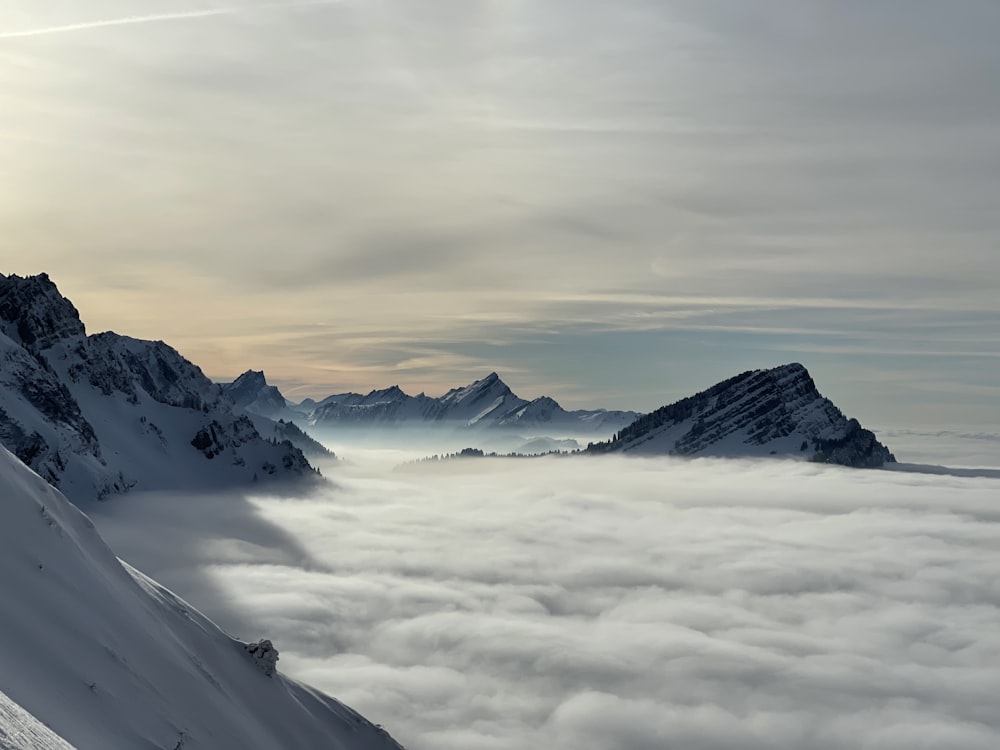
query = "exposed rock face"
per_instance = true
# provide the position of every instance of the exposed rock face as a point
(214, 438)
(97, 415)
(756, 413)
(264, 655)
(251, 391)
(119, 364)
(858, 447)
(34, 314)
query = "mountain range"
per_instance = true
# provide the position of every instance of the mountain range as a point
(487, 403)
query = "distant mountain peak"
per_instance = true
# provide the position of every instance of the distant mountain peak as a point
(392, 392)
(546, 401)
(756, 413)
(252, 392)
(490, 381)
(251, 378)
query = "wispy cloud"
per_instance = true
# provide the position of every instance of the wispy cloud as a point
(160, 17)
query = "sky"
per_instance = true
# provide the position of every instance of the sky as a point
(615, 204)
(631, 604)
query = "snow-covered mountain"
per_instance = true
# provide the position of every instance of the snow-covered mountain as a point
(545, 412)
(485, 403)
(757, 413)
(252, 391)
(100, 414)
(98, 656)
(271, 413)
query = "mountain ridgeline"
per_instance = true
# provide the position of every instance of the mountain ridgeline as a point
(98, 415)
(776, 412)
(487, 403)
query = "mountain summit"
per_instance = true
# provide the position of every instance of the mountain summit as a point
(777, 412)
(34, 314)
(251, 391)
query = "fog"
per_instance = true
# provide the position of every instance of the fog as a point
(609, 603)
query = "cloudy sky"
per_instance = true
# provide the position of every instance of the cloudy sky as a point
(611, 203)
(626, 605)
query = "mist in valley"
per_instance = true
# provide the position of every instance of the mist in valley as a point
(607, 602)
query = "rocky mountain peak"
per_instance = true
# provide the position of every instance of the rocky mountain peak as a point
(251, 379)
(393, 392)
(34, 314)
(756, 413)
(251, 391)
(545, 402)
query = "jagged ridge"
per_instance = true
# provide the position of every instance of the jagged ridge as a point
(484, 403)
(759, 412)
(97, 415)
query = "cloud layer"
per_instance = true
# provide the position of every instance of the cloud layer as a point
(612, 604)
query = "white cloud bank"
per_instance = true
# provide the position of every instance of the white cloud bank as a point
(613, 604)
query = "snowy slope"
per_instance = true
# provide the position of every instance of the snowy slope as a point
(101, 414)
(107, 658)
(757, 413)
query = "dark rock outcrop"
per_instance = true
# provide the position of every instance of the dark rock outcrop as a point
(264, 655)
(34, 314)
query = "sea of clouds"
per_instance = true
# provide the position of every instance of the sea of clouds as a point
(610, 603)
